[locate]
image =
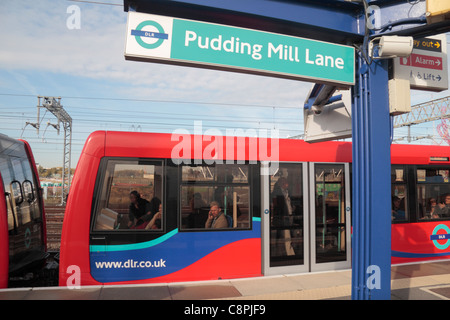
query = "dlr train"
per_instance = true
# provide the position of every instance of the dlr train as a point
(154, 207)
(22, 221)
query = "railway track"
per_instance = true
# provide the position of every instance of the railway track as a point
(54, 216)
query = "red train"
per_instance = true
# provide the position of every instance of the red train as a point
(22, 219)
(149, 207)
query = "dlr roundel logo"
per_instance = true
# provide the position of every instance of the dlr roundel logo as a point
(149, 34)
(435, 237)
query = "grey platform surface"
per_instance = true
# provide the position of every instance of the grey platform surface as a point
(424, 281)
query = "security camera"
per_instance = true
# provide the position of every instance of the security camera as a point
(391, 47)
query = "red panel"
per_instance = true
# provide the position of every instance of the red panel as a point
(165, 145)
(74, 248)
(414, 238)
(95, 144)
(75, 233)
(238, 259)
(187, 146)
(418, 154)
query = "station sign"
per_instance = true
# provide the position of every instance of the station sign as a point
(426, 67)
(186, 42)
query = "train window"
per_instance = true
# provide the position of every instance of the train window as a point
(131, 196)
(286, 215)
(433, 176)
(8, 176)
(30, 192)
(433, 192)
(215, 197)
(399, 194)
(22, 201)
(200, 173)
(16, 191)
(330, 217)
(221, 173)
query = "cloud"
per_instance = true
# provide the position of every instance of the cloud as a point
(38, 39)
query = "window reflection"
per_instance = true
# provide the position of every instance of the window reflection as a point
(399, 194)
(286, 219)
(131, 196)
(330, 213)
(433, 192)
(225, 186)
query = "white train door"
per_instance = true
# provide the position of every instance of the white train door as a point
(285, 221)
(330, 220)
(306, 219)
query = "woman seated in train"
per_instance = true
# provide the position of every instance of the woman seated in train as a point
(155, 222)
(141, 211)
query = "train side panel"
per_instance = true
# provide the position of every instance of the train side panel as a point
(174, 256)
(414, 242)
(39, 190)
(74, 252)
(422, 237)
(180, 256)
(174, 253)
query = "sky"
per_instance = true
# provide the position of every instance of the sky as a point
(40, 54)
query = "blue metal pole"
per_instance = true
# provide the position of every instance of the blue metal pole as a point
(371, 255)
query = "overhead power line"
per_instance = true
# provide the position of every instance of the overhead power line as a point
(97, 2)
(162, 101)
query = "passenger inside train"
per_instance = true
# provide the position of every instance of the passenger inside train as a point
(142, 211)
(398, 212)
(216, 218)
(443, 209)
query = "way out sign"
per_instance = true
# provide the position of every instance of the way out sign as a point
(200, 44)
(426, 67)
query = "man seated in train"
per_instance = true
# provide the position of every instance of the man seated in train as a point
(216, 219)
(443, 209)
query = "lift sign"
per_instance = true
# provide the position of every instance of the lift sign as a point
(194, 43)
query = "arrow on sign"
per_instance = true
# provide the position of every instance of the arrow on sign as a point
(422, 61)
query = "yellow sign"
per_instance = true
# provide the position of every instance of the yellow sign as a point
(437, 10)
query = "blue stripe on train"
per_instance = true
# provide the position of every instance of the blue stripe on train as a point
(400, 254)
(162, 256)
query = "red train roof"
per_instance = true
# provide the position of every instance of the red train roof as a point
(189, 146)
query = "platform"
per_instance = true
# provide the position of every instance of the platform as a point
(424, 281)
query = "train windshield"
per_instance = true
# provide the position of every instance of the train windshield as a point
(131, 196)
(24, 213)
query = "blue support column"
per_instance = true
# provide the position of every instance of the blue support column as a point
(371, 244)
